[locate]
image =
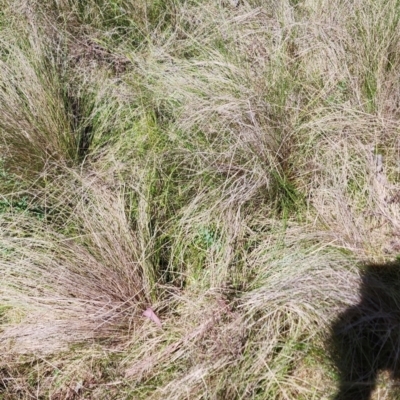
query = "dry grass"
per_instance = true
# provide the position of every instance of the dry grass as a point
(226, 163)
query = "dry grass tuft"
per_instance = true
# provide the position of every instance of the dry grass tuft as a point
(74, 272)
(227, 164)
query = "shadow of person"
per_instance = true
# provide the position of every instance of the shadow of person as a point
(365, 338)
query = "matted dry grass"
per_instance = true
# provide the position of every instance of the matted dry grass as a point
(227, 164)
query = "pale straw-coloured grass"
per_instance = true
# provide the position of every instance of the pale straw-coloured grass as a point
(227, 164)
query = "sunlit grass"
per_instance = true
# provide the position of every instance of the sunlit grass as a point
(225, 163)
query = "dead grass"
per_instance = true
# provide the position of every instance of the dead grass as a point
(225, 163)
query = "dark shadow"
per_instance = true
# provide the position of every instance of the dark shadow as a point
(365, 338)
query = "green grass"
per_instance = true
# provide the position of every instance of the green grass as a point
(217, 163)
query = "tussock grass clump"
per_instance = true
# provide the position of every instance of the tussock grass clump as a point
(253, 344)
(35, 126)
(224, 165)
(77, 261)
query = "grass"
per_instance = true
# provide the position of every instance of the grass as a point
(228, 165)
